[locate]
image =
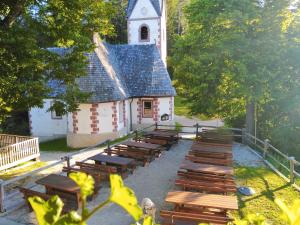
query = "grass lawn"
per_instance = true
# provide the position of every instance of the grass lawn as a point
(61, 144)
(56, 145)
(21, 169)
(268, 187)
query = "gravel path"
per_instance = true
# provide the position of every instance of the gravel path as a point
(192, 121)
(244, 156)
(153, 181)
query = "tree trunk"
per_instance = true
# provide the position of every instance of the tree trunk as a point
(250, 110)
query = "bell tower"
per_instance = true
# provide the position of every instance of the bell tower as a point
(146, 24)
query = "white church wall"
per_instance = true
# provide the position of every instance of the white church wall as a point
(134, 35)
(43, 125)
(143, 9)
(83, 118)
(105, 117)
(163, 34)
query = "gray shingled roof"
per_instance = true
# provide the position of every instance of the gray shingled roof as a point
(132, 3)
(117, 72)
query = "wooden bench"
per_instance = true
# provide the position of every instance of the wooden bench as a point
(206, 177)
(69, 204)
(138, 156)
(188, 218)
(213, 161)
(162, 142)
(96, 176)
(210, 154)
(204, 186)
(103, 170)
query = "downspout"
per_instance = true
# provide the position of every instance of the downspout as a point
(130, 110)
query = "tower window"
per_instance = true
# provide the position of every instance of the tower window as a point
(144, 33)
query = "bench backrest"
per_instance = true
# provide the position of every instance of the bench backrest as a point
(100, 168)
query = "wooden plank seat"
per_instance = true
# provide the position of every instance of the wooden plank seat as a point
(188, 218)
(149, 152)
(69, 203)
(209, 160)
(152, 149)
(173, 133)
(203, 143)
(162, 142)
(210, 154)
(138, 156)
(212, 148)
(206, 177)
(204, 186)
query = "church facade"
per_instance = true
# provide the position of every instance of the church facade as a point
(130, 84)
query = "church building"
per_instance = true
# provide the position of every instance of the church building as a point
(130, 85)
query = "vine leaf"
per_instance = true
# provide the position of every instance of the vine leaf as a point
(72, 218)
(85, 182)
(292, 215)
(47, 212)
(124, 197)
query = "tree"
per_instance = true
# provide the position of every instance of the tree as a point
(27, 29)
(235, 54)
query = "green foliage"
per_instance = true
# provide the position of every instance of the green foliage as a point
(237, 51)
(124, 197)
(291, 215)
(85, 182)
(49, 212)
(27, 29)
(178, 127)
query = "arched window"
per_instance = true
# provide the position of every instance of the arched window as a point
(144, 33)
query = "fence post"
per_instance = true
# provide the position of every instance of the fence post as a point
(243, 136)
(156, 125)
(136, 135)
(292, 169)
(108, 147)
(2, 209)
(67, 159)
(266, 147)
(197, 130)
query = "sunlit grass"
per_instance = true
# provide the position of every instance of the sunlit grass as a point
(20, 170)
(268, 187)
(59, 144)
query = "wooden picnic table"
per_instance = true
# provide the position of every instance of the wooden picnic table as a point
(61, 185)
(185, 198)
(142, 145)
(120, 162)
(206, 168)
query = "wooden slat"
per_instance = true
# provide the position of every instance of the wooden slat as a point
(204, 200)
(206, 168)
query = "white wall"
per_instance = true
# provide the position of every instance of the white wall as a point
(164, 108)
(137, 12)
(42, 124)
(134, 27)
(105, 117)
(83, 117)
(163, 33)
